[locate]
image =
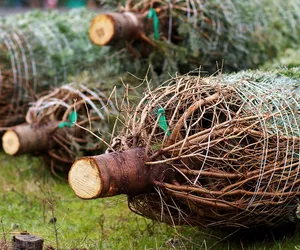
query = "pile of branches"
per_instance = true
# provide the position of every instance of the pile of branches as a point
(39, 50)
(244, 34)
(217, 151)
(69, 122)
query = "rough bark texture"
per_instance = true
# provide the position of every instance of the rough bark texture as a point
(108, 28)
(112, 174)
(28, 138)
(27, 242)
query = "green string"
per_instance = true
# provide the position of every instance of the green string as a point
(153, 15)
(72, 119)
(162, 121)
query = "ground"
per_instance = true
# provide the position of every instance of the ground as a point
(31, 197)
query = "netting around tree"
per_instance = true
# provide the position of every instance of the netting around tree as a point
(38, 51)
(231, 145)
(242, 34)
(89, 107)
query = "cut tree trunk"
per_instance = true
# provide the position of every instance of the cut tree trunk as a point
(108, 28)
(112, 174)
(28, 138)
(27, 242)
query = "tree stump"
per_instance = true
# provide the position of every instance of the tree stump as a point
(31, 138)
(112, 174)
(109, 28)
(27, 242)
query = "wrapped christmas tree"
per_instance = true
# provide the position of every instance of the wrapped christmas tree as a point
(220, 151)
(181, 35)
(38, 51)
(73, 120)
(289, 59)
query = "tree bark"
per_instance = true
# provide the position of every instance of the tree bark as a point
(28, 138)
(108, 28)
(112, 174)
(27, 242)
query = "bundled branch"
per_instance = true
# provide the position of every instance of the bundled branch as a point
(217, 151)
(39, 51)
(242, 34)
(71, 121)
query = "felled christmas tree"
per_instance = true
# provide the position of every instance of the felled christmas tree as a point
(38, 51)
(289, 59)
(216, 151)
(66, 123)
(181, 35)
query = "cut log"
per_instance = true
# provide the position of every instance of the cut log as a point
(28, 242)
(112, 174)
(28, 138)
(108, 28)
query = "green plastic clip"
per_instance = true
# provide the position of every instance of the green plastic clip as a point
(162, 121)
(72, 119)
(153, 15)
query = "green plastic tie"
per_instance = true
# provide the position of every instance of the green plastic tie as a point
(162, 121)
(72, 119)
(153, 15)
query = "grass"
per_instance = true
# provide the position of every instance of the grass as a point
(31, 197)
